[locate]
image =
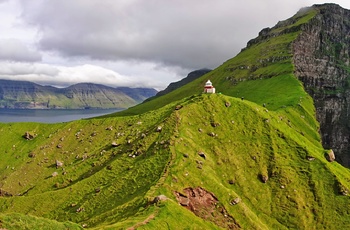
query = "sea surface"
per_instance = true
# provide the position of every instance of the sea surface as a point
(50, 115)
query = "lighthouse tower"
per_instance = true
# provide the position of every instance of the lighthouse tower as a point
(209, 88)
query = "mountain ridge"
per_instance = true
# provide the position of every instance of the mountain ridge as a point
(25, 94)
(190, 77)
(251, 157)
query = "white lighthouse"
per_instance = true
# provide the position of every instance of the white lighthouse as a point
(209, 88)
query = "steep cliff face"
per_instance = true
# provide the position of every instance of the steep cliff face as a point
(321, 59)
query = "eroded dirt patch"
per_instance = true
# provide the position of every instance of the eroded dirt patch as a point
(205, 205)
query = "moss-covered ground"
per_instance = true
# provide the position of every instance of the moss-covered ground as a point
(259, 137)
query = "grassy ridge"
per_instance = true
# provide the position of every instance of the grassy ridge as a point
(263, 60)
(98, 183)
(272, 133)
(251, 142)
(113, 190)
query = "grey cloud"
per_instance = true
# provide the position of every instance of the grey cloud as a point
(15, 50)
(19, 68)
(58, 75)
(190, 34)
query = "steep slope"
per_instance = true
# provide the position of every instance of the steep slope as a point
(250, 157)
(254, 167)
(190, 77)
(21, 94)
(321, 59)
(312, 46)
(264, 61)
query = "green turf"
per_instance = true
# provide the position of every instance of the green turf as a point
(262, 123)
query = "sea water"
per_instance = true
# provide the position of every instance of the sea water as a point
(50, 115)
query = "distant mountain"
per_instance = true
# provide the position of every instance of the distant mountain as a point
(253, 156)
(29, 95)
(190, 77)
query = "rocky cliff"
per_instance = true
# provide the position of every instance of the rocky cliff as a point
(22, 94)
(321, 60)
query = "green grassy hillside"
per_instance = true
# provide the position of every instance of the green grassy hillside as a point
(266, 61)
(250, 157)
(102, 186)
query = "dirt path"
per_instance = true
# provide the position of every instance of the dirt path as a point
(142, 223)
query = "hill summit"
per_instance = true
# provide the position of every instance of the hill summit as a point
(250, 156)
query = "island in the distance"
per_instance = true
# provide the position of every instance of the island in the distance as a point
(29, 95)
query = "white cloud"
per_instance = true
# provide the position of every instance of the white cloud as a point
(15, 50)
(128, 42)
(190, 34)
(62, 76)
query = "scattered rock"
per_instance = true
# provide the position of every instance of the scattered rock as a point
(282, 187)
(110, 128)
(93, 134)
(343, 190)
(231, 181)
(227, 104)
(212, 134)
(159, 198)
(202, 154)
(29, 136)
(159, 129)
(264, 178)
(200, 130)
(59, 164)
(31, 155)
(54, 174)
(185, 155)
(109, 167)
(59, 146)
(97, 190)
(178, 107)
(310, 158)
(235, 201)
(4, 194)
(80, 209)
(114, 144)
(330, 156)
(214, 124)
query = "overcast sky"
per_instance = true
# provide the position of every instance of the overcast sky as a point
(136, 43)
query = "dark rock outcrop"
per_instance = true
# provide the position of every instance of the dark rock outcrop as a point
(322, 62)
